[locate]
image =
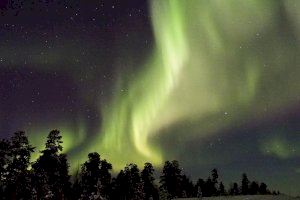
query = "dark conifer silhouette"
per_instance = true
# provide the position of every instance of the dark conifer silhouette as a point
(4, 160)
(150, 189)
(49, 177)
(119, 187)
(263, 189)
(17, 179)
(105, 178)
(253, 190)
(135, 189)
(215, 176)
(90, 176)
(171, 179)
(234, 189)
(52, 168)
(95, 177)
(200, 188)
(209, 188)
(187, 187)
(222, 190)
(128, 184)
(245, 184)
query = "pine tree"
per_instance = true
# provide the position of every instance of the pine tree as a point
(234, 189)
(76, 187)
(4, 160)
(134, 181)
(187, 187)
(95, 176)
(171, 179)
(253, 190)
(263, 189)
(128, 184)
(90, 174)
(200, 188)
(245, 184)
(222, 189)
(105, 177)
(215, 176)
(119, 187)
(17, 178)
(53, 166)
(209, 187)
(150, 188)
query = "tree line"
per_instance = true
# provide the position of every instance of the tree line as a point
(48, 177)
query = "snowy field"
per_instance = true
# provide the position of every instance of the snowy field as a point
(252, 197)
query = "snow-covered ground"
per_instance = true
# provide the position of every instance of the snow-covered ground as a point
(250, 197)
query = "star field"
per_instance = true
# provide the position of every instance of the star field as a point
(212, 84)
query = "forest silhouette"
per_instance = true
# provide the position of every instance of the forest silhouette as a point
(48, 177)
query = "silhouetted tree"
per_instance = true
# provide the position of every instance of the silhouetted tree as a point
(90, 176)
(262, 189)
(234, 189)
(17, 178)
(245, 184)
(222, 190)
(200, 188)
(171, 179)
(215, 176)
(49, 178)
(253, 188)
(136, 191)
(150, 188)
(187, 187)
(208, 188)
(135, 185)
(128, 184)
(95, 177)
(4, 160)
(105, 177)
(53, 166)
(119, 187)
(76, 187)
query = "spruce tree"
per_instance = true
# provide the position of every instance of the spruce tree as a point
(253, 190)
(150, 188)
(53, 166)
(200, 188)
(128, 184)
(119, 187)
(187, 187)
(215, 176)
(90, 175)
(234, 189)
(171, 179)
(209, 187)
(263, 189)
(245, 184)
(134, 181)
(18, 178)
(95, 177)
(222, 189)
(4, 160)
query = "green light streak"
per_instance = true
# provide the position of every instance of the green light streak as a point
(280, 147)
(129, 120)
(72, 137)
(210, 57)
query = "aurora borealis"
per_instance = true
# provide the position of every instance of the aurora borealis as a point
(209, 83)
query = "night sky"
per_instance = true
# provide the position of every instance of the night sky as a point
(213, 84)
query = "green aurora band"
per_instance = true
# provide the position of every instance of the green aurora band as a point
(210, 58)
